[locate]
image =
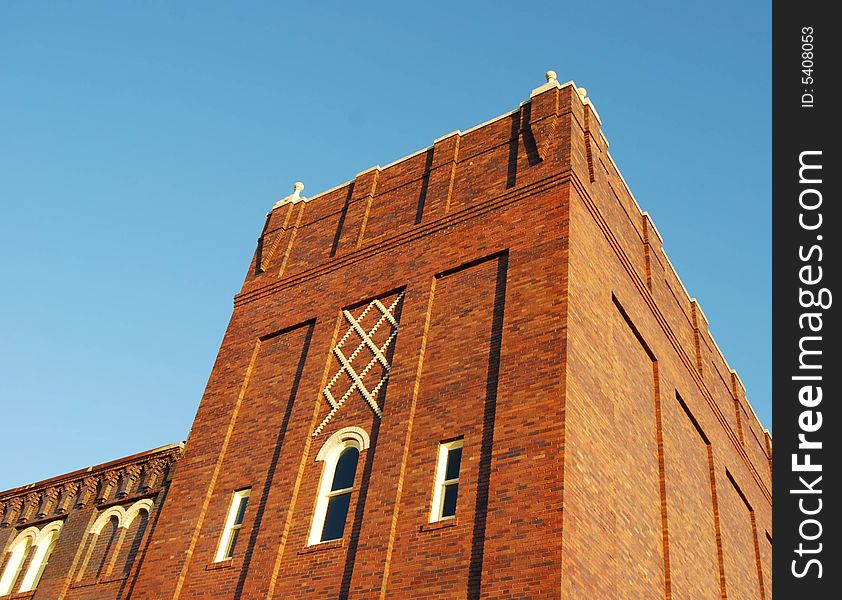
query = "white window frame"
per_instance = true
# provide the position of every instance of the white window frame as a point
(349, 437)
(18, 552)
(440, 482)
(40, 560)
(124, 516)
(223, 552)
(35, 541)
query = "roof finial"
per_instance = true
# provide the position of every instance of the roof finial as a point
(296, 191)
(294, 197)
(552, 76)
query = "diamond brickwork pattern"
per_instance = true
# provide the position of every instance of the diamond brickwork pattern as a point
(365, 370)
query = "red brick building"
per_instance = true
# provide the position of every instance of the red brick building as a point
(472, 373)
(81, 535)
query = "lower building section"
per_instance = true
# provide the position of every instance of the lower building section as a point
(83, 535)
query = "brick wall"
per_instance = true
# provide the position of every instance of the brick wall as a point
(84, 565)
(667, 492)
(609, 450)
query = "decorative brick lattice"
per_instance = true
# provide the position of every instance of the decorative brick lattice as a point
(355, 373)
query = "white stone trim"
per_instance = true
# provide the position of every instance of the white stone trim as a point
(124, 516)
(445, 136)
(105, 517)
(378, 357)
(17, 554)
(347, 436)
(294, 198)
(134, 510)
(31, 539)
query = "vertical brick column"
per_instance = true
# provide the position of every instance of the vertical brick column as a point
(442, 175)
(356, 211)
(59, 574)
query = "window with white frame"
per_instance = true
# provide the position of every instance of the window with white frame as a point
(17, 555)
(446, 489)
(34, 542)
(340, 453)
(233, 523)
(40, 560)
(99, 558)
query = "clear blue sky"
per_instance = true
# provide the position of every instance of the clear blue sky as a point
(141, 144)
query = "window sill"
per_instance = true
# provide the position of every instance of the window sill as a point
(229, 563)
(86, 582)
(28, 594)
(91, 581)
(440, 524)
(330, 545)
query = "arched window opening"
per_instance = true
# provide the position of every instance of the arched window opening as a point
(28, 557)
(339, 496)
(17, 555)
(40, 560)
(134, 537)
(105, 546)
(113, 541)
(340, 453)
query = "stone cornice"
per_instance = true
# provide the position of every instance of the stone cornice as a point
(165, 456)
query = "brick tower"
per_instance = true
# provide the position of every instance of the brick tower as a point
(472, 373)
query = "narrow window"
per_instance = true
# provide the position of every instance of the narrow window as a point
(233, 523)
(340, 455)
(339, 496)
(39, 563)
(14, 564)
(446, 489)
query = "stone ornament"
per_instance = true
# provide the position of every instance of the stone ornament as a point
(294, 198)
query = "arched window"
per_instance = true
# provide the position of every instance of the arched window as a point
(17, 555)
(340, 453)
(42, 564)
(34, 542)
(108, 538)
(105, 546)
(132, 542)
(44, 546)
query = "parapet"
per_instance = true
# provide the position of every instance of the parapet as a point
(138, 474)
(554, 136)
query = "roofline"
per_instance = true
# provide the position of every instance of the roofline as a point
(100, 467)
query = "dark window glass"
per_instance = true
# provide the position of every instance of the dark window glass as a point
(448, 507)
(454, 460)
(242, 511)
(337, 513)
(346, 468)
(234, 535)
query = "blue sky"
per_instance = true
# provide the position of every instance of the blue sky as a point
(141, 144)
